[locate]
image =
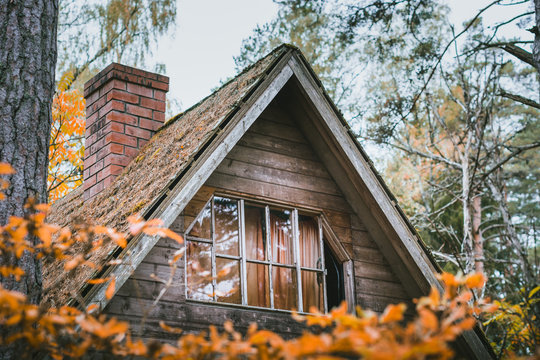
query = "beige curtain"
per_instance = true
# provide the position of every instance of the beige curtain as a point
(284, 279)
(258, 286)
(310, 256)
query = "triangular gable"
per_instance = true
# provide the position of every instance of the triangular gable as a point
(340, 152)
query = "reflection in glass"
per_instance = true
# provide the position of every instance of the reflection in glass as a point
(201, 227)
(312, 290)
(310, 247)
(199, 271)
(226, 226)
(285, 288)
(228, 281)
(258, 285)
(282, 237)
(255, 232)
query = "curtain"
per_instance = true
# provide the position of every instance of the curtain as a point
(258, 285)
(283, 278)
(310, 256)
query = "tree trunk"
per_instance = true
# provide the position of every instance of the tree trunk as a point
(536, 30)
(513, 241)
(27, 67)
(478, 241)
(465, 200)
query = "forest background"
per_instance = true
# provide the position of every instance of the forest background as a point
(455, 112)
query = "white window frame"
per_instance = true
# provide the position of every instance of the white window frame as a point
(326, 235)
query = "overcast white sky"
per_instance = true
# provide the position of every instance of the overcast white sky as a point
(210, 32)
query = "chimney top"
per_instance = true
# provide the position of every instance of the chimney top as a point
(125, 106)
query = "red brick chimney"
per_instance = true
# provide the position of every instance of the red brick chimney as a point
(124, 108)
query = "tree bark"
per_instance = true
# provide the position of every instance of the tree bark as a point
(477, 234)
(536, 31)
(27, 69)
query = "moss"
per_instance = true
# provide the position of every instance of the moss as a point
(138, 206)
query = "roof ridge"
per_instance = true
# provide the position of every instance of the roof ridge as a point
(244, 70)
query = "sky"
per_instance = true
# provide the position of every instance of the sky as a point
(210, 32)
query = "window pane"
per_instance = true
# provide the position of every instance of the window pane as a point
(226, 226)
(201, 228)
(285, 288)
(312, 290)
(258, 285)
(228, 281)
(281, 235)
(199, 271)
(255, 232)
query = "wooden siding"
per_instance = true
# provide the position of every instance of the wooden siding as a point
(273, 161)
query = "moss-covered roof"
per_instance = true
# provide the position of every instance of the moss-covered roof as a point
(145, 180)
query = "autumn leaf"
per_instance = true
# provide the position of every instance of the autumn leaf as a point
(6, 169)
(393, 313)
(110, 288)
(475, 281)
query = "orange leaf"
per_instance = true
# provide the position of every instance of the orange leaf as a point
(170, 329)
(6, 169)
(393, 313)
(110, 289)
(97, 281)
(475, 281)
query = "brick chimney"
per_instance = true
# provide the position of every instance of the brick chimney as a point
(124, 108)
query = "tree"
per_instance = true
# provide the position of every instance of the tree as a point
(27, 70)
(127, 29)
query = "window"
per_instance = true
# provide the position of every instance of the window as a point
(252, 254)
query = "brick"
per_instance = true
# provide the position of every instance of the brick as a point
(110, 170)
(96, 189)
(111, 148)
(112, 105)
(149, 124)
(130, 151)
(90, 160)
(159, 116)
(142, 142)
(121, 139)
(98, 104)
(112, 84)
(153, 104)
(114, 159)
(163, 78)
(161, 86)
(138, 132)
(138, 111)
(116, 126)
(94, 169)
(122, 96)
(160, 95)
(91, 119)
(139, 90)
(90, 99)
(89, 182)
(145, 74)
(108, 180)
(122, 118)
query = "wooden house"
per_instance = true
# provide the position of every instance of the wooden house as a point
(279, 206)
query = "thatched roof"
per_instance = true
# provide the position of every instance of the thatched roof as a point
(148, 177)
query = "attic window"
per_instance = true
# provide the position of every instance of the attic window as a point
(259, 255)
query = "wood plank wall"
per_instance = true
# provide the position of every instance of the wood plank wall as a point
(272, 161)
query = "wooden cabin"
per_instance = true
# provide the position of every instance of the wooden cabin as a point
(279, 206)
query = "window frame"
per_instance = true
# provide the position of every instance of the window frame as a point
(326, 235)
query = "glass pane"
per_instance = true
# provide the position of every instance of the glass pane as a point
(258, 285)
(255, 232)
(310, 246)
(226, 226)
(312, 290)
(228, 281)
(199, 271)
(285, 288)
(281, 235)
(201, 227)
